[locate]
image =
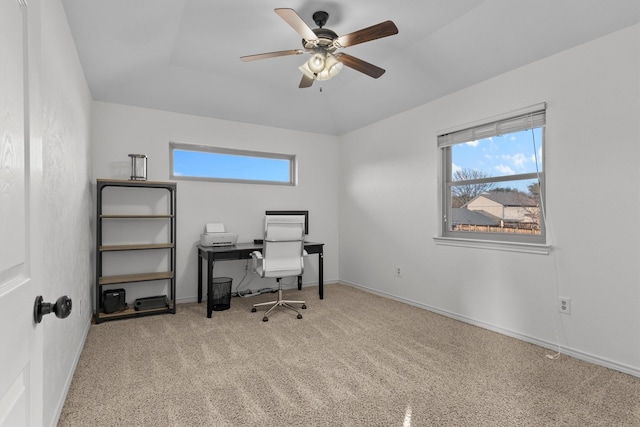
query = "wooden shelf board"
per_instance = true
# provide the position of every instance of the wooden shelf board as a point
(109, 248)
(135, 216)
(135, 183)
(132, 312)
(129, 278)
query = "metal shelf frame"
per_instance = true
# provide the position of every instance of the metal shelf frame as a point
(129, 279)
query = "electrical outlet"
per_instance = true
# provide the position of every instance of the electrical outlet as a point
(398, 271)
(564, 305)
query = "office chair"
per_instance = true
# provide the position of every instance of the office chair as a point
(281, 256)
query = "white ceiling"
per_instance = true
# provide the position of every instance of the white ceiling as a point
(183, 55)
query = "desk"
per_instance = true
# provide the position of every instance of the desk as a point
(243, 251)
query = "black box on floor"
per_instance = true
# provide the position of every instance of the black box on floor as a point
(114, 300)
(149, 303)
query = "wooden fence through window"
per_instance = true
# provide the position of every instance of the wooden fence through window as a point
(496, 229)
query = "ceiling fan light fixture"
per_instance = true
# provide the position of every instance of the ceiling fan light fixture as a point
(331, 69)
(316, 62)
(333, 65)
(306, 71)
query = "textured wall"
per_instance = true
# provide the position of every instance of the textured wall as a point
(64, 118)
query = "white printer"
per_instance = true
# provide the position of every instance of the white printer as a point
(214, 235)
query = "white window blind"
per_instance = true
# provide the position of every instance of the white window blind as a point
(526, 118)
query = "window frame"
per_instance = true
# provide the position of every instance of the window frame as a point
(494, 126)
(291, 158)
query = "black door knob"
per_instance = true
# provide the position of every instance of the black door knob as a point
(62, 308)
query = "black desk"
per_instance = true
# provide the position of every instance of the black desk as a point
(243, 251)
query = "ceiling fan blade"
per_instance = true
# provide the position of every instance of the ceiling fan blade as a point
(378, 31)
(306, 81)
(359, 65)
(294, 20)
(271, 55)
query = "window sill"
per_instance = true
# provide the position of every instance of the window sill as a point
(530, 248)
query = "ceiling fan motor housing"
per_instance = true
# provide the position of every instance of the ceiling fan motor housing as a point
(325, 40)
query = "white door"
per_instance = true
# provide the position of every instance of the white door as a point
(20, 264)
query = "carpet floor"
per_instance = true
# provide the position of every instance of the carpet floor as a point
(355, 359)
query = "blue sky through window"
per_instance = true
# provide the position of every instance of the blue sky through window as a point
(202, 164)
(510, 154)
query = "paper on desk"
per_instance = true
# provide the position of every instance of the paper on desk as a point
(214, 227)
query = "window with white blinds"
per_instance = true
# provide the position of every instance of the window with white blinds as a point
(493, 178)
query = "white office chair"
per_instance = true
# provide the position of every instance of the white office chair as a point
(281, 256)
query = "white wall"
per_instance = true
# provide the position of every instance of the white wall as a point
(118, 130)
(388, 207)
(62, 117)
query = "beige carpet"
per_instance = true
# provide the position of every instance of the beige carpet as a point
(356, 359)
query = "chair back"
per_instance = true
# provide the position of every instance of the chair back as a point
(283, 245)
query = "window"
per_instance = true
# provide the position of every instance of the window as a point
(198, 162)
(493, 179)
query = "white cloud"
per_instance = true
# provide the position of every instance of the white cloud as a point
(518, 160)
(473, 143)
(455, 168)
(505, 170)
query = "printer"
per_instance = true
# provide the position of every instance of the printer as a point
(214, 235)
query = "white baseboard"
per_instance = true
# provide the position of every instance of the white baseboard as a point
(67, 383)
(596, 360)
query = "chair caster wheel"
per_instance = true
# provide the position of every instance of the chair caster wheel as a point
(265, 319)
(299, 316)
(304, 306)
(253, 310)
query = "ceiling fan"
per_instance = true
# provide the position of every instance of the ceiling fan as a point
(322, 44)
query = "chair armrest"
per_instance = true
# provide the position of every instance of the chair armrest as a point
(256, 256)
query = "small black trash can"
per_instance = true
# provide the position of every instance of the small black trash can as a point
(221, 293)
